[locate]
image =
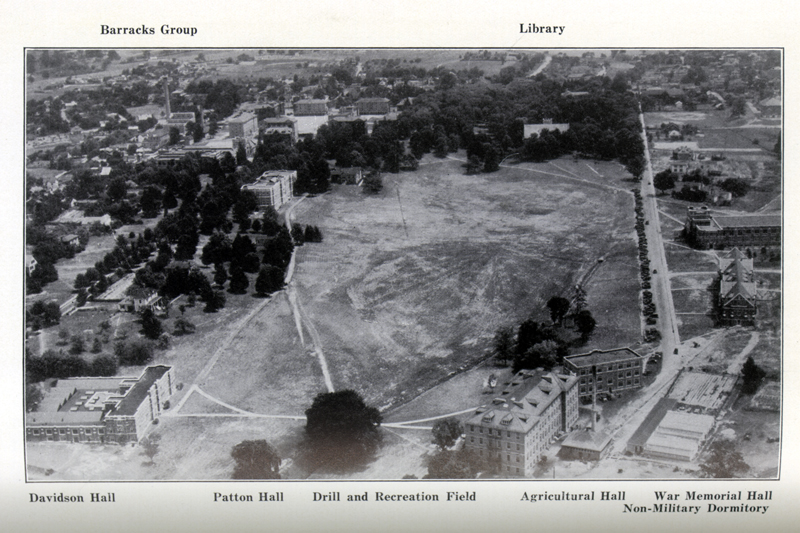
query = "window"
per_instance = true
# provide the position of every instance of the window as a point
(472, 439)
(518, 447)
(74, 431)
(508, 433)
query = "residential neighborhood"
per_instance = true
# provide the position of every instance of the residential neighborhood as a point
(403, 263)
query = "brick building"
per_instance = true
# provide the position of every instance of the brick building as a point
(608, 371)
(309, 107)
(244, 126)
(736, 299)
(518, 426)
(373, 106)
(273, 188)
(705, 230)
(102, 410)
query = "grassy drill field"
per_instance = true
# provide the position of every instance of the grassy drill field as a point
(403, 296)
(412, 283)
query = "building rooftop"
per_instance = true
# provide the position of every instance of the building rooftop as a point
(520, 405)
(595, 441)
(130, 403)
(599, 357)
(241, 119)
(651, 421)
(748, 221)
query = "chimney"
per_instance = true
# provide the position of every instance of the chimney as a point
(166, 96)
(594, 398)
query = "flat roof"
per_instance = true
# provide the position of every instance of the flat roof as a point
(595, 441)
(683, 421)
(651, 421)
(131, 402)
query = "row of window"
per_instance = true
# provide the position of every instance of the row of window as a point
(489, 431)
(609, 368)
(64, 431)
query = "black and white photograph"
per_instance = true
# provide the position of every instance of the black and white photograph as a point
(355, 264)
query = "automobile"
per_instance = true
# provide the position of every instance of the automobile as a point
(655, 271)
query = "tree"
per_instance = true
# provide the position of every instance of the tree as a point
(220, 274)
(269, 280)
(559, 307)
(33, 395)
(446, 432)
(174, 135)
(183, 327)
(585, 324)
(239, 281)
(215, 301)
(104, 365)
(723, 461)
(255, 459)
(150, 202)
(664, 180)
(151, 326)
(134, 352)
(503, 344)
(752, 376)
(372, 183)
(448, 464)
(342, 430)
(736, 186)
(77, 346)
(473, 164)
(149, 446)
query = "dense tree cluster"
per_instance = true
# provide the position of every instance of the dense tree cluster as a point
(255, 459)
(54, 365)
(342, 430)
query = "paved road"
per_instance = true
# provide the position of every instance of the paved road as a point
(661, 288)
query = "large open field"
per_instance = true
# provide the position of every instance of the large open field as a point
(412, 283)
(403, 297)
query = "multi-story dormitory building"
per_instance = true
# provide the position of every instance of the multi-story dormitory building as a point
(736, 301)
(102, 410)
(705, 230)
(607, 371)
(273, 188)
(517, 427)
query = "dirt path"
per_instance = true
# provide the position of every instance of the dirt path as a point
(223, 347)
(301, 319)
(736, 365)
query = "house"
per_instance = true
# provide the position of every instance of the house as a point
(30, 263)
(606, 371)
(71, 240)
(517, 426)
(736, 298)
(273, 188)
(348, 175)
(282, 125)
(681, 153)
(529, 130)
(138, 299)
(704, 230)
(770, 107)
(102, 410)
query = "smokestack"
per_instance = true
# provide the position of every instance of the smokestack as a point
(166, 96)
(594, 398)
